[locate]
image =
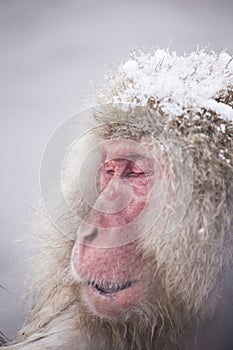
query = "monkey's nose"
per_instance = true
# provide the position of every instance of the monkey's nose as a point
(90, 238)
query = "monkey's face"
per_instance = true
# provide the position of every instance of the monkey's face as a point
(106, 258)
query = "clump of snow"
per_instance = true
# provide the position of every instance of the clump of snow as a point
(130, 67)
(177, 83)
(221, 155)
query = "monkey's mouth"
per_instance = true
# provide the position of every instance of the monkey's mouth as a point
(112, 298)
(110, 287)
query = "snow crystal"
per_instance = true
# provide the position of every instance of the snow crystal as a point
(176, 83)
(221, 155)
(129, 67)
(201, 231)
(222, 127)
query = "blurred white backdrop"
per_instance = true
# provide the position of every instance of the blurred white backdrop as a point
(50, 50)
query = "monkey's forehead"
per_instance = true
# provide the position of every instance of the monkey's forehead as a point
(174, 84)
(164, 134)
(130, 150)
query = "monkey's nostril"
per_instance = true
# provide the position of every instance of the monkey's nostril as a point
(88, 239)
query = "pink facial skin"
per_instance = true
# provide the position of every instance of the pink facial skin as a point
(114, 274)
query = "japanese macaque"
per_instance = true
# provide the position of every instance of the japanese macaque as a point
(138, 251)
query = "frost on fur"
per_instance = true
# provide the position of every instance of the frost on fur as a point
(175, 84)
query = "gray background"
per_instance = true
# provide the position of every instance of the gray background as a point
(50, 50)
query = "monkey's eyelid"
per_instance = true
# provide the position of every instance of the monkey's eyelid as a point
(136, 174)
(133, 174)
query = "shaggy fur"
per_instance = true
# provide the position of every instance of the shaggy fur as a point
(3, 339)
(191, 267)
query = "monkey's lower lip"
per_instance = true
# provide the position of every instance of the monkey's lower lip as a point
(110, 287)
(113, 299)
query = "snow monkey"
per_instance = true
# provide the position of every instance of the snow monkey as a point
(137, 252)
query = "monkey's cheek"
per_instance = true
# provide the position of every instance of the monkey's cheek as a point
(115, 304)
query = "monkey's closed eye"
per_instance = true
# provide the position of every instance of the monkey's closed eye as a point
(110, 172)
(134, 174)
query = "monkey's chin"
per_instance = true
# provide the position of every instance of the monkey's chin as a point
(113, 304)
